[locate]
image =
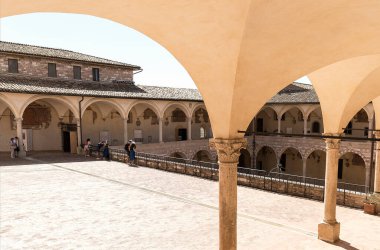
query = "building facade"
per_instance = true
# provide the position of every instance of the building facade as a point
(55, 99)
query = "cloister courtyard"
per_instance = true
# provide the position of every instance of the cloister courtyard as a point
(61, 201)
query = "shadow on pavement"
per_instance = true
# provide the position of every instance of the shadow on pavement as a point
(48, 156)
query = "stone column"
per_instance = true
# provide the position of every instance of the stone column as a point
(189, 128)
(304, 163)
(79, 129)
(376, 186)
(22, 152)
(329, 229)
(305, 125)
(126, 139)
(370, 127)
(160, 130)
(367, 178)
(279, 124)
(228, 154)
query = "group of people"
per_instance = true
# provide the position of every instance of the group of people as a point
(103, 147)
(14, 145)
(130, 148)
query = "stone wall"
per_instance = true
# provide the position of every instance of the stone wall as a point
(315, 192)
(38, 67)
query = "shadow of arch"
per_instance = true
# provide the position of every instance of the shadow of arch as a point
(316, 164)
(244, 159)
(266, 159)
(291, 161)
(202, 155)
(178, 155)
(352, 168)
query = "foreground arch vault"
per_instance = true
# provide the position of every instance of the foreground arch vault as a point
(240, 53)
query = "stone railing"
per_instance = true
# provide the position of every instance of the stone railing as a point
(350, 195)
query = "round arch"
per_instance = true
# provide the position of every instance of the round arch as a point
(112, 102)
(60, 99)
(178, 105)
(202, 155)
(316, 163)
(178, 154)
(10, 105)
(266, 158)
(352, 168)
(291, 161)
(244, 159)
(196, 107)
(291, 148)
(152, 105)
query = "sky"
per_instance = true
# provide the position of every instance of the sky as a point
(103, 38)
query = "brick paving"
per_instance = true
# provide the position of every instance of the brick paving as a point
(59, 201)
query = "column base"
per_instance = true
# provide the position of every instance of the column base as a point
(22, 154)
(329, 232)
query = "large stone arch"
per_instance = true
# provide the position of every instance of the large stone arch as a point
(114, 103)
(347, 150)
(245, 45)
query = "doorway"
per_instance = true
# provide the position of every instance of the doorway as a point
(182, 134)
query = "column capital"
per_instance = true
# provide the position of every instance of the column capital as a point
(18, 119)
(332, 143)
(228, 149)
(376, 134)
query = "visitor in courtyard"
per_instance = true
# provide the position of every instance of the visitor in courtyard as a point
(132, 153)
(106, 152)
(99, 148)
(17, 142)
(127, 150)
(12, 147)
(87, 148)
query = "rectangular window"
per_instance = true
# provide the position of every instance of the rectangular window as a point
(52, 70)
(12, 65)
(77, 72)
(95, 74)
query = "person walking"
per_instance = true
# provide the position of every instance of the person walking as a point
(132, 153)
(106, 152)
(12, 147)
(17, 142)
(87, 148)
(127, 150)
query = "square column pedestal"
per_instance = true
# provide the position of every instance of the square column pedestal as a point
(329, 232)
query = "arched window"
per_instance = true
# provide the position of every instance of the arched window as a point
(316, 128)
(202, 131)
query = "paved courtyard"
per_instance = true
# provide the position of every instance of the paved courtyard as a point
(58, 201)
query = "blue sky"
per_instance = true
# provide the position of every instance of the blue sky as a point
(103, 38)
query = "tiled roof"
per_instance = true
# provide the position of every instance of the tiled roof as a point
(21, 84)
(295, 93)
(57, 53)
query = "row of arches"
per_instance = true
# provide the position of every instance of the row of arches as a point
(51, 122)
(307, 119)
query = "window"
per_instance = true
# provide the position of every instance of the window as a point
(366, 131)
(315, 127)
(52, 70)
(95, 74)
(202, 133)
(12, 65)
(77, 71)
(340, 169)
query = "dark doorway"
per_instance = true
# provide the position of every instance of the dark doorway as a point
(182, 134)
(283, 162)
(340, 169)
(260, 125)
(66, 141)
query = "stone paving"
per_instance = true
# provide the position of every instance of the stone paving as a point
(59, 201)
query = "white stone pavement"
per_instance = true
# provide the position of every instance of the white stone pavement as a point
(109, 205)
